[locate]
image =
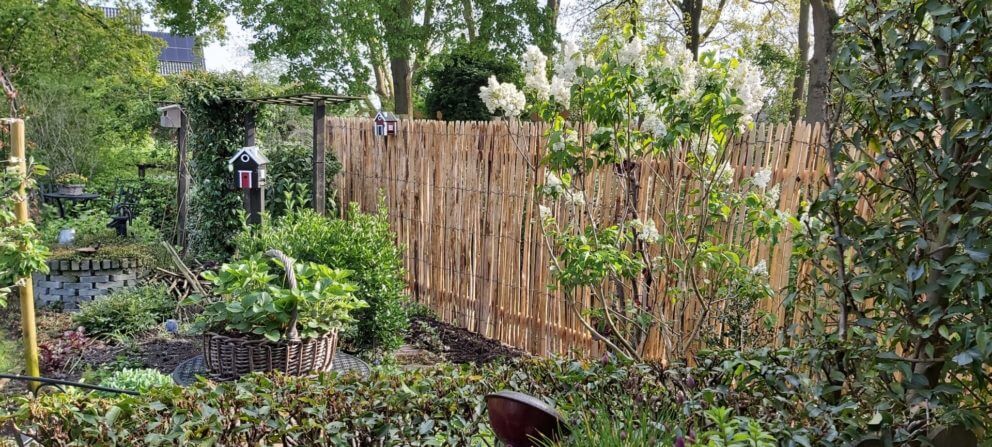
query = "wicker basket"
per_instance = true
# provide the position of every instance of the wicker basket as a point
(229, 357)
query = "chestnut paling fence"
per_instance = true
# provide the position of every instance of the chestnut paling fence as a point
(461, 198)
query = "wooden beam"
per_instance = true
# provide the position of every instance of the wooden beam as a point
(250, 127)
(319, 137)
(182, 182)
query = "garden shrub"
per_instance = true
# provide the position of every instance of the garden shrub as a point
(455, 79)
(142, 242)
(126, 312)
(442, 405)
(290, 174)
(140, 380)
(363, 244)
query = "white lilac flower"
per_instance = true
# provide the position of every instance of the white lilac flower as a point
(761, 269)
(561, 91)
(762, 178)
(649, 233)
(745, 81)
(590, 62)
(632, 52)
(569, 61)
(552, 181)
(535, 65)
(725, 174)
(576, 198)
(652, 123)
(545, 212)
(773, 195)
(502, 96)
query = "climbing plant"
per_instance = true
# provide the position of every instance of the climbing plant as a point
(216, 133)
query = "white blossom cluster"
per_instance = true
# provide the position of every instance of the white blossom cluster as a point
(545, 213)
(745, 80)
(577, 198)
(772, 195)
(725, 174)
(503, 96)
(552, 183)
(653, 124)
(679, 59)
(632, 52)
(535, 65)
(646, 231)
(762, 178)
(761, 269)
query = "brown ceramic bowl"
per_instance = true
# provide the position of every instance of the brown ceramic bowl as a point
(520, 420)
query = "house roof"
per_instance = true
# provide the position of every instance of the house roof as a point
(386, 116)
(252, 152)
(181, 53)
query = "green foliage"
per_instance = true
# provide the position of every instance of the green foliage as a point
(140, 380)
(218, 132)
(898, 301)
(142, 242)
(88, 83)
(362, 244)
(455, 78)
(11, 357)
(620, 424)
(22, 251)
(71, 178)
(430, 406)
(290, 176)
(126, 312)
(260, 302)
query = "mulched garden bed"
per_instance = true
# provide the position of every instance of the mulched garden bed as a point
(457, 345)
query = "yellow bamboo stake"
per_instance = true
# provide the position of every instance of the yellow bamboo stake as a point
(26, 287)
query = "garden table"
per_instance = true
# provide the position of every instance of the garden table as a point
(59, 197)
(186, 372)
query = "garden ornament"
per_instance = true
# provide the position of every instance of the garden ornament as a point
(520, 420)
(172, 326)
(67, 236)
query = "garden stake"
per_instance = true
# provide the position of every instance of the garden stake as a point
(25, 287)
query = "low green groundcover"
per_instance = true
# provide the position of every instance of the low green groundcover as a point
(441, 405)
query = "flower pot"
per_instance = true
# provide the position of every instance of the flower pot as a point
(230, 357)
(71, 190)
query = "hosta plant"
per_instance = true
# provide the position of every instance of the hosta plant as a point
(257, 299)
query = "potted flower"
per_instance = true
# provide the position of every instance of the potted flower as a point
(71, 183)
(286, 322)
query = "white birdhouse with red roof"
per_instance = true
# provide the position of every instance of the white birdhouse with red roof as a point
(248, 166)
(386, 124)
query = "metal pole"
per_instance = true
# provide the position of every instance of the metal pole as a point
(26, 287)
(182, 180)
(319, 138)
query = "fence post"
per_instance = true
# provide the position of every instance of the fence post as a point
(26, 287)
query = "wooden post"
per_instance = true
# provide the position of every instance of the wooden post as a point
(319, 137)
(26, 287)
(250, 128)
(182, 176)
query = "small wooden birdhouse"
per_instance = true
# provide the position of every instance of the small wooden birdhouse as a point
(170, 116)
(248, 166)
(386, 124)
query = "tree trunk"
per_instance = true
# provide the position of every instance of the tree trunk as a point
(382, 82)
(799, 82)
(468, 12)
(692, 12)
(824, 20)
(402, 85)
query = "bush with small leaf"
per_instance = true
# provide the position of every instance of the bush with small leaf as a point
(126, 312)
(140, 380)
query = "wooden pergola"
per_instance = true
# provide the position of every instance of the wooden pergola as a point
(319, 103)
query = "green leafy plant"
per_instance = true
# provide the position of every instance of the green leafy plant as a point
(260, 302)
(126, 312)
(728, 431)
(455, 78)
(290, 175)
(621, 424)
(140, 380)
(22, 251)
(71, 178)
(362, 244)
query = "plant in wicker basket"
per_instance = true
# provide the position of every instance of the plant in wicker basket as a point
(266, 321)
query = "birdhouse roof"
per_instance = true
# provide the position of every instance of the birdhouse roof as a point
(252, 152)
(169, 107)
(385, 116)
